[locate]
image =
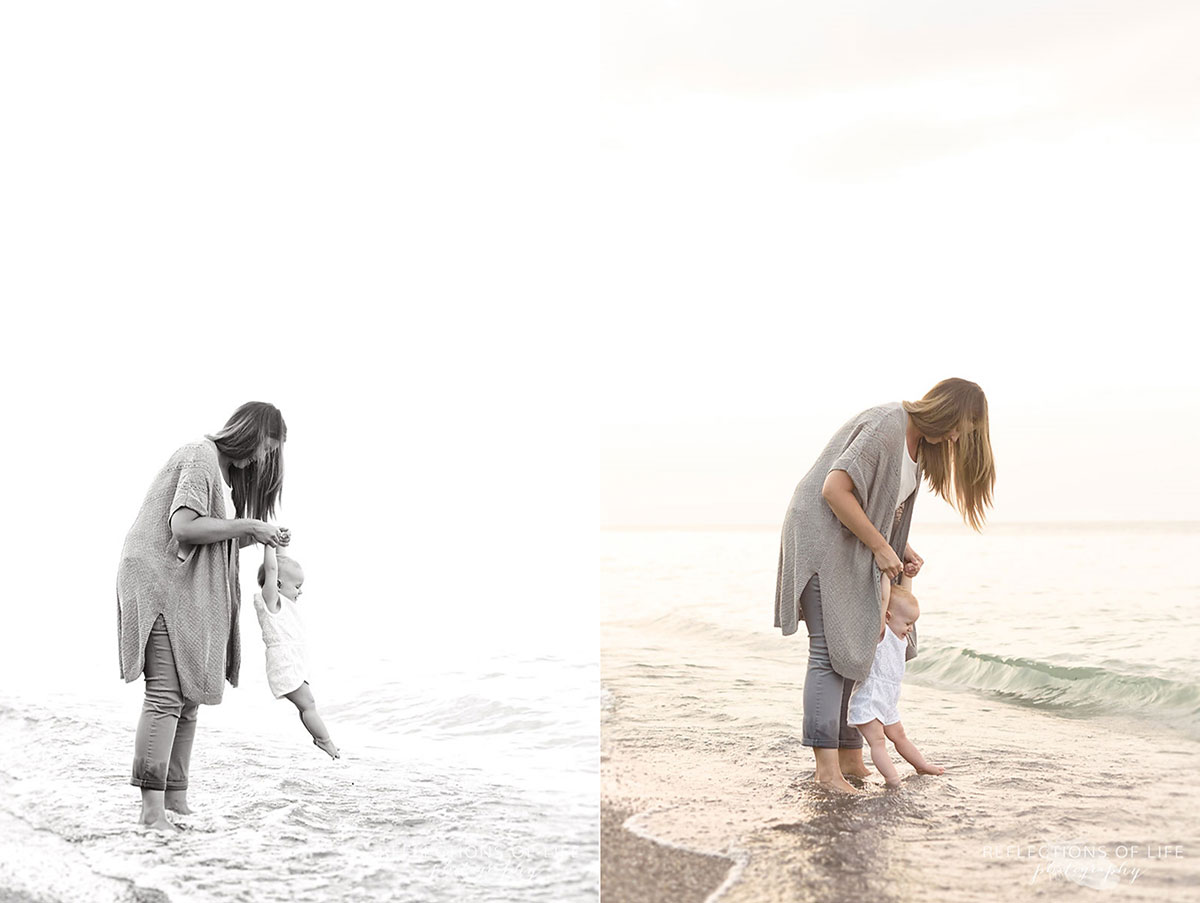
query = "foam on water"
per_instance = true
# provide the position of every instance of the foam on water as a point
(440, 794)
(701, 713)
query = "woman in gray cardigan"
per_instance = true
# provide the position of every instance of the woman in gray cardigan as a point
(178, 595)
(847, 524)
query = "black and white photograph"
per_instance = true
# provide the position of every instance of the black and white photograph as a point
(289, 596)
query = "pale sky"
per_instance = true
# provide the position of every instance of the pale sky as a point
(515, 270)
(353, 213)
(817, 208)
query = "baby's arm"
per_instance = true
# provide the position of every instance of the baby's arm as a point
(906, 582)
(885, 586)
(270, 587)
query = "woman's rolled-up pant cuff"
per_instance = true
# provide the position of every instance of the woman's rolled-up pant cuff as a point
(147, 784)
(819, 744)
(147, 780)
(826, 744)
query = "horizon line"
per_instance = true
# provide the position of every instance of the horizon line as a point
(1010, 523)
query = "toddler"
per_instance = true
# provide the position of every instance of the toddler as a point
(280, 578)
(874, 704)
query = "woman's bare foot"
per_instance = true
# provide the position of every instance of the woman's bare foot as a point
(176, 801)
(837, 783)
(154, 814)
(326, 745)
(159, 824)
(828, 773)
(833, 779)
(931, 769)
(850, 762)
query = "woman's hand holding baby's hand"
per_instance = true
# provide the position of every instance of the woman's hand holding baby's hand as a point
(268, 534)
(912, 561)
(888, 562)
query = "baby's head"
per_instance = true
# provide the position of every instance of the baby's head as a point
(291, 575)
(902, 611)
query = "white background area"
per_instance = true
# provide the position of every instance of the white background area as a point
(512, 271)
(818, 208)
(359, 214)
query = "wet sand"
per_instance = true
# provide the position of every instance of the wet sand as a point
(1108, 797)
(636, 870)
(16, 896)
(38, 866)
(1066, 772)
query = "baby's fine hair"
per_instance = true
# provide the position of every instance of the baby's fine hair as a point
(282, 560)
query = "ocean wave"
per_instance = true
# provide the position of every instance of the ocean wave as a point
(455, 716)
(1048, 685)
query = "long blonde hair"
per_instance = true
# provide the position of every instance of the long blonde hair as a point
(956, 404)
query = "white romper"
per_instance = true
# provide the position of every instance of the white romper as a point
(283, 634)
(879, 695)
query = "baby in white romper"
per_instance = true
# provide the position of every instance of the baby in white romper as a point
(283, 633)
(874, 704)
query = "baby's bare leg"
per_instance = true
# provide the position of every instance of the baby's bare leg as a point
(906, 748)
(302, 698)
(872, 732)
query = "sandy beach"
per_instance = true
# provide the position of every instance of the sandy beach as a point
(40, 867)
(998, 819)
(432, 799)
(1066, 760)
(636, 870)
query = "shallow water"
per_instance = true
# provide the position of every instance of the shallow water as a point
(1055, 682)
(468, 784)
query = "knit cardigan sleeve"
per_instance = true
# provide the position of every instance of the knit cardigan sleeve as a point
(861, 460)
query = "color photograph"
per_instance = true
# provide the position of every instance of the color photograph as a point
(898, 585)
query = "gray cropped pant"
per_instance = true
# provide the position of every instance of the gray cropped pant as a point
(826, 693)
(162, 748)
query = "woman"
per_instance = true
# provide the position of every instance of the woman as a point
(178, 594)
(848, 523)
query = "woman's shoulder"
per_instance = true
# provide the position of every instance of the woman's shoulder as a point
(881, 423)
(882, 414)
(201, 451)
(884, 422)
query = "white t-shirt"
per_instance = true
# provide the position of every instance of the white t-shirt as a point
(228, 495)
(908, 477)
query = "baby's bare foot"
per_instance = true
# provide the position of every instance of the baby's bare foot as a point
(326, 745)
(931, 769)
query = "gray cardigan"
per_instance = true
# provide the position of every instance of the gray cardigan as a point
(870, 448)
(194, 587)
